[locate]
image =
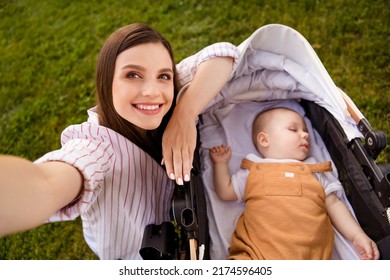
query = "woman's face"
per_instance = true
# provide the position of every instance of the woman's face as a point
(142, 86)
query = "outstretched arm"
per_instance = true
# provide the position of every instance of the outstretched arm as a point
(30, 193)
(343, 220)
(179, 139)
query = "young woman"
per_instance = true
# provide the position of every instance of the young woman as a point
(108, 170)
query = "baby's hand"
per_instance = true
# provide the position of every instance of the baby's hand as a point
(220, 154)
(367, 248)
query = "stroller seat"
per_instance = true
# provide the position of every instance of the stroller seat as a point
(278, 67)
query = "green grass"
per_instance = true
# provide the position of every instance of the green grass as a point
(48, 51)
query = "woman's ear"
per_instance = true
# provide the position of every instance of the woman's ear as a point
(262, 139)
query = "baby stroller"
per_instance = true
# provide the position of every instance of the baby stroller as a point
(278, 68)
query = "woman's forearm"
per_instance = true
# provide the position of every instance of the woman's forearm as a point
(30, 193)
(210, 78)
(179, 140)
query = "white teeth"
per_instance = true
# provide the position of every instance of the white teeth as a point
(147, 107)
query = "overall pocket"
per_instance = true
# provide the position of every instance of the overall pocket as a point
(282, 184)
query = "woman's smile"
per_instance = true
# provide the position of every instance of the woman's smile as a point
(148, 109)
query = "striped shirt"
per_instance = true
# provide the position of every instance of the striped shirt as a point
(186, 68)
(124, 189)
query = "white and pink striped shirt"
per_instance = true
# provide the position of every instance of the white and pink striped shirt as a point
(124, 188)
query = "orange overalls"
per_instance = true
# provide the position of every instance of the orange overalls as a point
(285, 215)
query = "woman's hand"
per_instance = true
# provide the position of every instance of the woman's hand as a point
(179, 142)
(179, 139)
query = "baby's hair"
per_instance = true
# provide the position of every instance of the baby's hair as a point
(261, 120)
(259, 123)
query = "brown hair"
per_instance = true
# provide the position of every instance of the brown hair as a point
(122, 39)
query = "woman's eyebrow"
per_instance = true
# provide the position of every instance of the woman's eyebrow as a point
(166, 70)
(139, 67)
(133, 66)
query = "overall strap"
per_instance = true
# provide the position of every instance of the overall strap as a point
(320, 167)
(246, 164)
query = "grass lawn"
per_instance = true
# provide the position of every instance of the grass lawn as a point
(48, 51)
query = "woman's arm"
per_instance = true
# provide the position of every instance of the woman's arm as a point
(179, 139)
(30, 193)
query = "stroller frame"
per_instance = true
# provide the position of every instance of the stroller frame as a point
(364, 182)
(186, 236)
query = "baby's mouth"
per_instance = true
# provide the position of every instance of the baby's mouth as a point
(305, 146)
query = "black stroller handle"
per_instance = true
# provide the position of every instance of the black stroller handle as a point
(161, 242)
(184, 212)
(188, 212)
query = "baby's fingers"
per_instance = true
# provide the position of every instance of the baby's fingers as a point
(370, 251)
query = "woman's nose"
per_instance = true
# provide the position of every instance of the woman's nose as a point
(151, 89)
(305, 135)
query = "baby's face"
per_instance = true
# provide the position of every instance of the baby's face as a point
(288, 136)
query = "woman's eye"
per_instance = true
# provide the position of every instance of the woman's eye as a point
(132, 75)
(165, 76)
